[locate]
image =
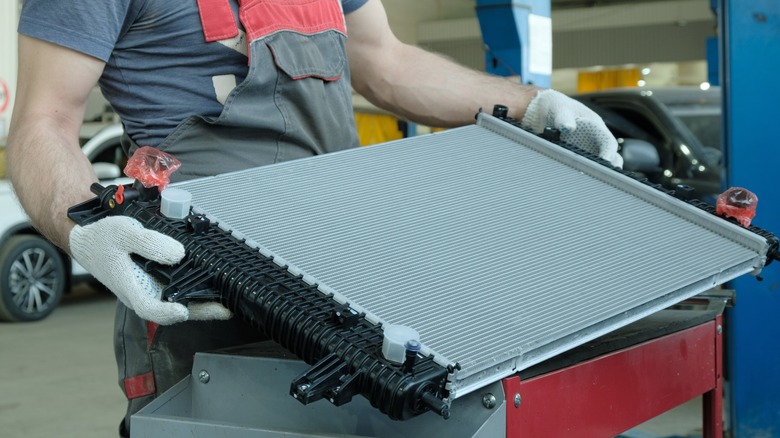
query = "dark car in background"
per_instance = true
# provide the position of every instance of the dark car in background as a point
(671, 136)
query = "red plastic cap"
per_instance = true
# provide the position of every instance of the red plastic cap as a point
(737, 203)
(152, 167)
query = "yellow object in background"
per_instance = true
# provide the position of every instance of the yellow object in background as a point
(377, 128)
(2, 162)
(603, 79)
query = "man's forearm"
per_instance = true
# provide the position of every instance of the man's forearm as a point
(435, 91)
(45, 163)
(49, 174)
(419, 85)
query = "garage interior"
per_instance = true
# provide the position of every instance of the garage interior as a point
(59, 375)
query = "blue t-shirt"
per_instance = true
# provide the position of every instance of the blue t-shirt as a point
(159, 68)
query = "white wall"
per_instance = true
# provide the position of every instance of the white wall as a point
(405, 15)
(9, 15)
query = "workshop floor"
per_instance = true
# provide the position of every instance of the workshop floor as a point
(58, 377)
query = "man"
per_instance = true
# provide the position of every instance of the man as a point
(221, 87)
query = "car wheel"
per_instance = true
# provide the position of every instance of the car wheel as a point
(32, 278)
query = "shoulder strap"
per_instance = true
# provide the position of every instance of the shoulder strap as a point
(217, 19)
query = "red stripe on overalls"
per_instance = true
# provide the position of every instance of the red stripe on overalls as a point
(264, 17)
(151, 329)
(143, 384)
(139, 386)
(217, 19)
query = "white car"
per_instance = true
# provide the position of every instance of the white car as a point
(34, 274)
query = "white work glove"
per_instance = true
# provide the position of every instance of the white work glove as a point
(104, 249)
(578, 124)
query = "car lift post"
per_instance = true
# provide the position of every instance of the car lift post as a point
(517, 35)
(749, 47)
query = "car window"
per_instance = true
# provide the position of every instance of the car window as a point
(700, 112)
(641, 125)
(706, 127)
(625, 122)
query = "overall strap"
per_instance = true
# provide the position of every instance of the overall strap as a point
(265, 17)
(217, 19)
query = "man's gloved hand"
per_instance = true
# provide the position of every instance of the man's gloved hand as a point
(104, 249)
(578, 124)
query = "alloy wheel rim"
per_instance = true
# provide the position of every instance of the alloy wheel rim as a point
(33, 281)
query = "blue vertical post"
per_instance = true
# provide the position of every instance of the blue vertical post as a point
(713, 61)
(750, 45)
(518, 39)
(713, 51)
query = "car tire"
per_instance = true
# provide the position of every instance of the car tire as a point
(32, 278)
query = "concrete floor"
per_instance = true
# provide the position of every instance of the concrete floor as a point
(682, 422)
(58, 377)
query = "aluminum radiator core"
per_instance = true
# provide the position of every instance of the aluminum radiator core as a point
(499, 248)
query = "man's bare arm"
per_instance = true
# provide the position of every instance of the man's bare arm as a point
(45, 163)
(419, 85)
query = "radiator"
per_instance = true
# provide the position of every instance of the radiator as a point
(497, 248)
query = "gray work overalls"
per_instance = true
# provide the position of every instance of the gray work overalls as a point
(295, 102)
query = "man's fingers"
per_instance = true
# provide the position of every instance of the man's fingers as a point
(564, 121)
(144, 295)
(133, 238)
(161, 312)
(208, 311)
(158, 247)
